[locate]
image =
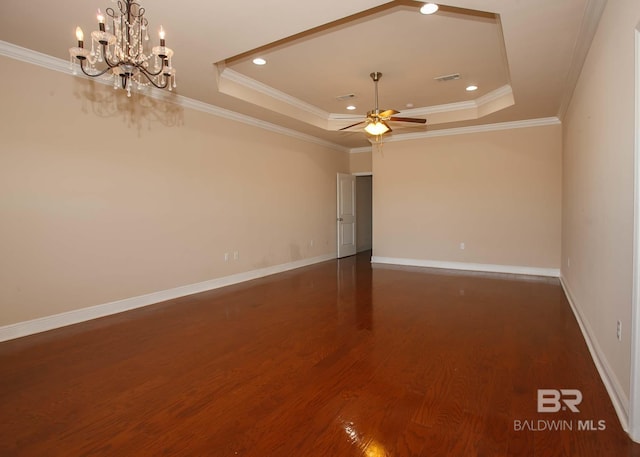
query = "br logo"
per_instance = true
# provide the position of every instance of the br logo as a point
(552, 400)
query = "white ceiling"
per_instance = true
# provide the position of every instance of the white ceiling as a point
(525, 55)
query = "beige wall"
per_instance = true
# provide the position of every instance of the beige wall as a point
(598, 181)
(99, 205)
(360, 162)
(498, 192)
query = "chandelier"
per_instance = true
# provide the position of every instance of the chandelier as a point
(118, 47)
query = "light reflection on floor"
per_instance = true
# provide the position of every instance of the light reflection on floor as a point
(370, 447)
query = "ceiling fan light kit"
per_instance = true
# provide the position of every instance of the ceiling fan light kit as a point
(376, 128)
(118, 46)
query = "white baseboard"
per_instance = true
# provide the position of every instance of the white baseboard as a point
(610, 381)
(43, 324)
(509, 269)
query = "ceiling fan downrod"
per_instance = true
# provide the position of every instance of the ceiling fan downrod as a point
(376, 75)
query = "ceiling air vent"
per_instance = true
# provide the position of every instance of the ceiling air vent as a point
(451, 77)
(345, 97)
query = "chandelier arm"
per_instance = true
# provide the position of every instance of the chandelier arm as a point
(150, 79)
(110, 64)
(148, 73)
(93, 75)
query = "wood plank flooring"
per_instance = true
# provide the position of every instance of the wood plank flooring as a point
(336, 359)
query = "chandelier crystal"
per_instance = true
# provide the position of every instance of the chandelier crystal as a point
(119, 47)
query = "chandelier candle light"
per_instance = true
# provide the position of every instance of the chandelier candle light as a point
(120, 48)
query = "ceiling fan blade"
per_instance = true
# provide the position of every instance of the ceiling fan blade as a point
(388, 126)
(408, 119)
(389, 112)
(352, 125)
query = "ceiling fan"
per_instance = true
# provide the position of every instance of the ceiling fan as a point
(376, 122)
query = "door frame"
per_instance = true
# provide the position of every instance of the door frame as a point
(634, 388)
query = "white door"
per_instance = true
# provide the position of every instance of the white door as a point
(346, 215)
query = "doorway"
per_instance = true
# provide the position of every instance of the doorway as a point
(354, 214)
(364, 213)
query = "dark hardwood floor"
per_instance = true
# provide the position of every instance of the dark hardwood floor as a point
(336, 359)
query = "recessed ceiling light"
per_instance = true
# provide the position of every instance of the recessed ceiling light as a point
(409, 105)
(471, 88)
(429, 8)
(351, 107)
(259, 61)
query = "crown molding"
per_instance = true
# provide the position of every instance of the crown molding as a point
(494, 95)
(503, 93)
(250, 83)
(33, 57)
(540, 122)
(344, 116)
(362, 149)
(229, 80)
(435, 109)
(591, 18)
(53, 63)
(228, 114)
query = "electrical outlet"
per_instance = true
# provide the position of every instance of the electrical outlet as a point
(619, 331)
(226, 256)
(236, 255)
(462, 246)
